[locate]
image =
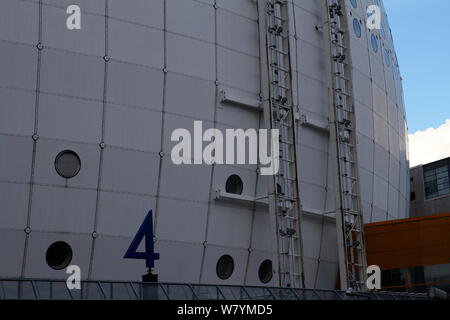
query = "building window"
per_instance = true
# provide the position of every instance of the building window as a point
(225, 267)
(67, 164)
(59, 255)
(387, 58)
(234, 185)
(357, 28)
(354, 3)
(374, 41)
(437, 179)
(265, 271)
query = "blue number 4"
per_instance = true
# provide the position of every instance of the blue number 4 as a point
(146, 230)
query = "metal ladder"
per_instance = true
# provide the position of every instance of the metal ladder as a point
(349, 215)
(279, 113)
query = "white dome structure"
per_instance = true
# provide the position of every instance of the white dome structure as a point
(86, 118)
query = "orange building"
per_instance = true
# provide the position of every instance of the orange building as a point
(413, 254)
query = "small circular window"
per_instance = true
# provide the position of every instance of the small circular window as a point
(357, 28)
(374, 41)
(234, 185)
(67, 164)
(225, 267)
(354, 3)
(59, 255)
(265, 271)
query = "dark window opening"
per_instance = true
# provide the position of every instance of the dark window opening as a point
(59, 255)
(225, 267)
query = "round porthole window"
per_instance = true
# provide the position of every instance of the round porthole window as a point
(354, 3)
(265, 271)
(67, 164)
(374, 41)
(234, 185)
(357, 28)
(225, 267)
(59, 255)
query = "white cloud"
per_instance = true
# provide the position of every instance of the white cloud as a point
(430, 145)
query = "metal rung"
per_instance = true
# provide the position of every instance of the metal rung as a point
(345, 176)
(277, 67)
(276, 83)
(275, 49)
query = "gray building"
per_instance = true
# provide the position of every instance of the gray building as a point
(86, 118)
(430, 189)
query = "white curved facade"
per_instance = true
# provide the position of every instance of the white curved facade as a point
(166, 62)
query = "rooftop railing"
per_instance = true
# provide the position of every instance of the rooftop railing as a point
(33, 289)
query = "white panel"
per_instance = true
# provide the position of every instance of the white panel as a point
(245, 8)
(109, 263)
(136, 44)
(191, 57)
(133, 85)
(177, 181)
(72, 74)
(174, 255)
(122, 214)
(380, 191)
(18, 65)
(118, 175)
(394, 197)
(256, 258)
(18, 21)
(181, 221)
(11, 251)
(133, 128)
(89, 40)
(261, 230)
(213, 254)
(15, 159)
(312, 232)
(238, 70)
(70, 119)
(48, 150)
(230, 223)
(63, 209)
(328, 275)
(17, 112)
(38, 243)
(229, 25)
(14, 206)
(381, 162)
(191, 18)
(364, 120)
(146, 12)
(97, 6)
(190, 97)
(381, 131)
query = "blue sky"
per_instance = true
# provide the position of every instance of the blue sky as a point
(421, 31)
